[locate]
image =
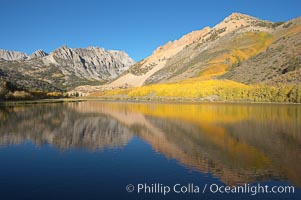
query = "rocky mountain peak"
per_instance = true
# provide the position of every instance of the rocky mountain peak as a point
(38, 54)
(12, 55)
(90, 63)
(238, 16)
(64, 67)
(237, 21)
(64, 53)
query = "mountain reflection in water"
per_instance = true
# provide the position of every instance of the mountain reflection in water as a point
(235, 142)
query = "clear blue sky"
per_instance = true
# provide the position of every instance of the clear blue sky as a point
(135, 26)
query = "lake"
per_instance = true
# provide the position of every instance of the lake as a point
(122, 150)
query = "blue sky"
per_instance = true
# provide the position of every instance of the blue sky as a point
(135, 26)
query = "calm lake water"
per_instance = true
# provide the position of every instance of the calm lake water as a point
(93, 150)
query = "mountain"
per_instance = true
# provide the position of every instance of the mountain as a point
(209, 51)
(90, 63)
(62, 69)
(241, 53)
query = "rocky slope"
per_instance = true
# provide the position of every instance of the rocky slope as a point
(279, 63)
(64, 68)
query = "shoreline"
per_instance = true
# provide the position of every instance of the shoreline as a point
(156, 101)
(187, 101)
(38, 101)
